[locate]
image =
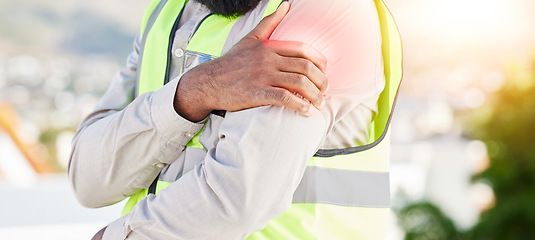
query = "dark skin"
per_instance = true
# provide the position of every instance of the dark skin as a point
(255, 72)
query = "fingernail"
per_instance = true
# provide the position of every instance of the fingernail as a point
(324, 66)
(283, 3)
(324, 85)
(321, 100)
(310, 111)
(306, 110)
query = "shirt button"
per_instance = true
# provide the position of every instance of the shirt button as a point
(159, 165)
(179, 53)
(190, 135)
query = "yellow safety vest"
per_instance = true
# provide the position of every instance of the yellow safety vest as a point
(344, 193)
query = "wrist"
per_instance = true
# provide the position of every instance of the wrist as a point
(190, 101)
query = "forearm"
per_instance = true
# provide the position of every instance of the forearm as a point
(238, 188)
(116, 153)
(248, 179)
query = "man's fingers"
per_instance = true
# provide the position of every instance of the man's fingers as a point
(269, 23)
(304, 67)
(294, 70)
(299, 50)
(284, 98)
(302, 85)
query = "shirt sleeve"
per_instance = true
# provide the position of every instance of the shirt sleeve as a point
(250, 175)
(347, 33)
(123, 144)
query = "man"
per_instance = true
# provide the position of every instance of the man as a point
(243, 169)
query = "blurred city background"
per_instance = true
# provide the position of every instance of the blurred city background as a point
(462, 160)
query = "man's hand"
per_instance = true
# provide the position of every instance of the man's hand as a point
(255, 72)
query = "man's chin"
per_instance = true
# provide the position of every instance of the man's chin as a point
(229, 8)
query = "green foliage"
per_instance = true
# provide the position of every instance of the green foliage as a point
(509, 132)
(507, 125)
(425, 221)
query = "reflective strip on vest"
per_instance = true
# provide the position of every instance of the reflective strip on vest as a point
(344, 188)
(324, 185)
(344, 193)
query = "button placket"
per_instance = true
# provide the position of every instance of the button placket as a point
(179, 46)
(190, 135)
(179, 52)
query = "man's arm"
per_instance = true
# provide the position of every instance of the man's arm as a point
(101, 146)
(248, 179)
(251, 174)
(256, 72)
(121, 146)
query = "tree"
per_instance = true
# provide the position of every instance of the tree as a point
(425, 221)
(507, 125)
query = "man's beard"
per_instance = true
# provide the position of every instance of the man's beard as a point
(229, 8)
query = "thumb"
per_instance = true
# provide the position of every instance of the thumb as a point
(264, 29)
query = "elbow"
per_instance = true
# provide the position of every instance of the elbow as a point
(88, 191)
(84, 193)
(91, 195)
(81, 185)
(87, 200)
(84, 197)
